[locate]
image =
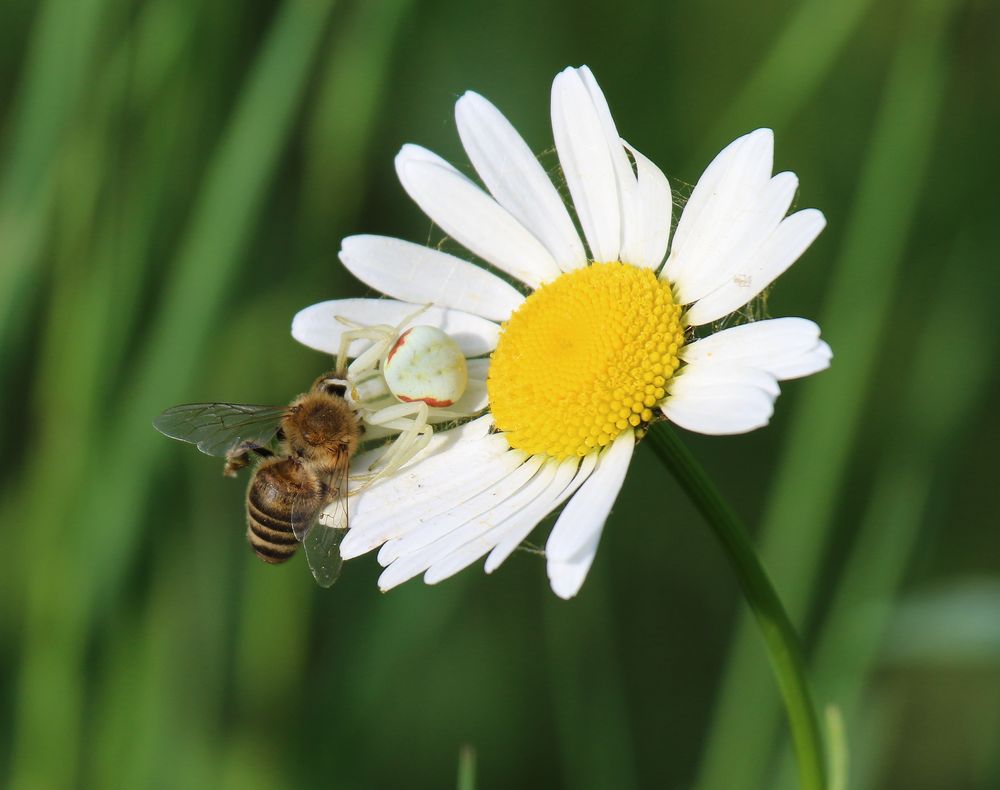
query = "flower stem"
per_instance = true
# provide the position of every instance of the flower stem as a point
(779, 635)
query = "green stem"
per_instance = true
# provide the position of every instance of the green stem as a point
(779, 634)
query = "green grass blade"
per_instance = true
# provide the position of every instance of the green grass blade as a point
(466, 769)
(351, 93)
(838, 755)
(798, 516)
(800, 59)
(337, 137)
(949, 378)
(784, 649)
(64, 42)
(589, 698)
(211, 254)
(207, 262)
(948, 626)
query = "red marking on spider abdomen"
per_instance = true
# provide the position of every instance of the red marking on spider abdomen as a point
(398, 344)
(428, 401)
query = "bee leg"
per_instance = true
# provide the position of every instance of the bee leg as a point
(239, 457)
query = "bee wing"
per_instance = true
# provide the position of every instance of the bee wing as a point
(320, 541)
(322, 547)
(217, 428)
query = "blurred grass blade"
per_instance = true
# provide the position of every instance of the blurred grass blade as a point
(952, 626)
(467, 768)
(947, 381)
(354, 77)
(784, 651)
(210, 255)
(64, 41)
(589, 699)
(266, 698)
(810, 472)
(207, 262)
(794, 67)
(836, 742)
(337, 138)
(141, 690)
(872, 741)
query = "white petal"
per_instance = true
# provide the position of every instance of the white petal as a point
(721, 398)
(630, 216)
(804, 364)
(381, 511)
(571, 546)
(784, 347)
(484, 532)
(792, 237)
(436, 542)
(587, 164)
(474, 400)
(443, 446)
(654, 213)
(439, 451)
(317, 326)
(458, 560)
(426, 530)
(566, 578)
(516, 178)
(739, 237)
(589, 507)
(569, 477)
(415, 273)
(473, 218)
(427, 494)
(699, 376)
(478, 368)
(729, 184)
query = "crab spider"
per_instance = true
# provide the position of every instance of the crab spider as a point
(403, 382)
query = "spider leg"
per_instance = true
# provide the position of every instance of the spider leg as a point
(411, 420)
(381, 337)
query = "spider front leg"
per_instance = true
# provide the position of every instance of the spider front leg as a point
(416, 432)
(382, 337)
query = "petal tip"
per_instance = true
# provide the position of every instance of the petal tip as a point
(566, 580)
(468, 101)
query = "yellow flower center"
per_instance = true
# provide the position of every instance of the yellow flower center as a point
(585, 358)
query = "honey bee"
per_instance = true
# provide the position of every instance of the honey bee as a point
(316, 436)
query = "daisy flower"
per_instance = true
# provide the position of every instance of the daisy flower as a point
(597, 337)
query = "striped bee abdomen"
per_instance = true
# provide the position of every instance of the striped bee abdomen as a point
(279, 491)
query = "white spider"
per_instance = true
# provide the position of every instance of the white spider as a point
(404, 381)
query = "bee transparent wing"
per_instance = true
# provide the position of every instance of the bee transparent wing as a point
(322, 547)
(217, 428)
(321, 536)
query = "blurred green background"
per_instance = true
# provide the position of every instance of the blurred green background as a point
(175, 178)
